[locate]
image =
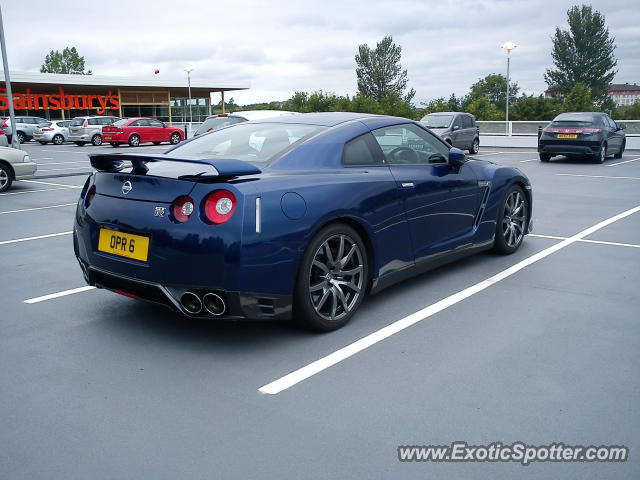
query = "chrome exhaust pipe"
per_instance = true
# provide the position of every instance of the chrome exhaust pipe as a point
(191, 302)
(214, 304)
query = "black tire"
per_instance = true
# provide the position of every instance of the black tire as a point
(475, 146)
(6, 178)
(545, 157)
(58, 139)
(175, 138)
(22, 137)
(134, 140)
(506, 244)
(308, 307)
(80, 144)
(96, 140)
(600, 157)
(622, 147)
(115, 145)
(42, 143)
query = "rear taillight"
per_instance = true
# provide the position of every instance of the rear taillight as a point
(4, 123)
(85, 124)
(219, 206)
(47, 129)
(89, 198)
(182, 209)
(591, 130)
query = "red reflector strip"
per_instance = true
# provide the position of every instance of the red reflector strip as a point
(572, 130)
(126, 294)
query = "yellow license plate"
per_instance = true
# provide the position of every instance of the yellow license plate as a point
(564, 135)
(107, 137)
(124, 244)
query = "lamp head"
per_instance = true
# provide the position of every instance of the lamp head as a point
(508, 46)
(188, 69)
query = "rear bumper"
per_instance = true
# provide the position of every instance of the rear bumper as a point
(238, 305)
(43, 137)
(79, 138)
(556, 147)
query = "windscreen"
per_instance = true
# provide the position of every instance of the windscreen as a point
(216, 123)
(437, 121)
(251, 142)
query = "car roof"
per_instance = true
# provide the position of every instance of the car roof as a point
(330, 119)
(449, 113)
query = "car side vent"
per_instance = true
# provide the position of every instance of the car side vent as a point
(266, 306)
(483, 204)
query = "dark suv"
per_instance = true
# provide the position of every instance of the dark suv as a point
(580, 134)
(458, 129)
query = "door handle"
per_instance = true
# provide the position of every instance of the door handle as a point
(408, 184)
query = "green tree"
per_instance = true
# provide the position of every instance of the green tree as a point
(494, 88)
(297, 103)
(379, 70)
(535, 108)
(582, 54)
(482, 109)
(579, 99)
(630, 113)
(69, 61)
(442, 105)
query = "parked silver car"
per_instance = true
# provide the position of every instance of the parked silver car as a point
(4, 142)
(221, 120)
(83, 130)
(56, 131)
(25, 127)
(458, 129)
(14, 165)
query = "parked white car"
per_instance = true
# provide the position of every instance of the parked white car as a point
(56, 132)
(14, 165)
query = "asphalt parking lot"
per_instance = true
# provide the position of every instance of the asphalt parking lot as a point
(96, 385)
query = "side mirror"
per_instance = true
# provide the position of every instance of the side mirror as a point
(456, 127)
(622, 126)
(456, 157)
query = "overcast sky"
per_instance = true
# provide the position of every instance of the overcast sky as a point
(295, 45)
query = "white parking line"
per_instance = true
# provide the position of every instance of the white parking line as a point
(37, 208)
(599, 242)
(59, 294)
(86, 162)
(338, 356)
(61, 169)
(626, 161)
(54, 184)
(6, 242)
(36, 191)
(595, 176)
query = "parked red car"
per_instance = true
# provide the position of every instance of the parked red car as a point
(135, 131)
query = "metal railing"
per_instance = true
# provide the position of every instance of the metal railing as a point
(525, 128)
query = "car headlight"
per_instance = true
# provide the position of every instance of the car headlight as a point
(26, 158)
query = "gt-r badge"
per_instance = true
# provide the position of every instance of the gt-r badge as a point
(159, 212)
(127, 187)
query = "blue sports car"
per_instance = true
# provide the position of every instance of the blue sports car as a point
(296, 217)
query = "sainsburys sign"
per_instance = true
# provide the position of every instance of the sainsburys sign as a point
(60, 101)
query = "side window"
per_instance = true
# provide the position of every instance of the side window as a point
(156, 123)
(135, 124)
(410, 144)
(458, 122)
(93, 121)
(612, 124)
(357, 152)
(466, 121)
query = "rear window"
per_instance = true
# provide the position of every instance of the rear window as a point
(121, 123)
(571, 123)
(212, 124)
(77, 122)
(251, 142)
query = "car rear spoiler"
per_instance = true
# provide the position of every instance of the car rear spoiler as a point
(224, 167)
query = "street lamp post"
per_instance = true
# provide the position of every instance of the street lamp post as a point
(508, 46)
(189, 70)
(14, 137)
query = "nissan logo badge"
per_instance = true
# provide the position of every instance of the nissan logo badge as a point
(126, 187)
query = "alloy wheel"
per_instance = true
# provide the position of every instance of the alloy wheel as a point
(514, 219)
(336, 278)
(4, 179)
(175, 138)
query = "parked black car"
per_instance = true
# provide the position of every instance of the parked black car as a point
(458, 129)
(579, 134)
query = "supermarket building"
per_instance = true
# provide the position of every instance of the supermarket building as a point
(57, 96)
